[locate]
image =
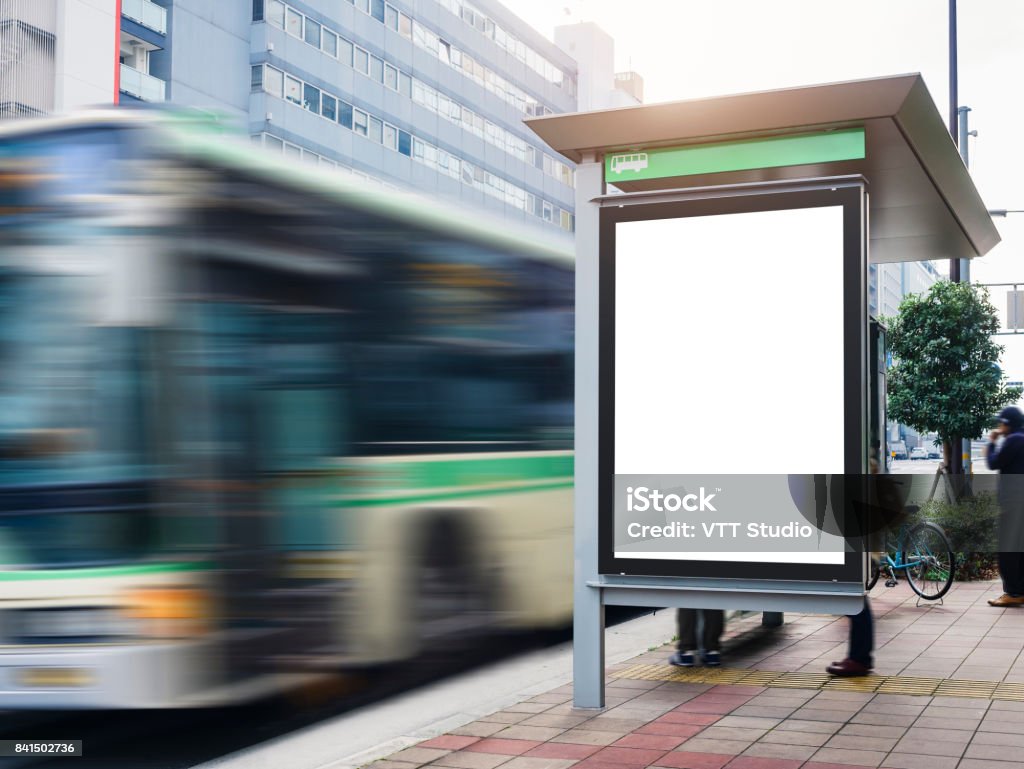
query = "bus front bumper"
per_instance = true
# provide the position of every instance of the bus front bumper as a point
(130, 675)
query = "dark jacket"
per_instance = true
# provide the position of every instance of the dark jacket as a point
(1009, 461)
(1009, 458)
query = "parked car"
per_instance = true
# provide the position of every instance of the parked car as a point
(934, 452)
(918, 453)
(899, 450)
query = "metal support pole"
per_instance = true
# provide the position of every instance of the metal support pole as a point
(588, 603)
(954, 98)
(965, 264)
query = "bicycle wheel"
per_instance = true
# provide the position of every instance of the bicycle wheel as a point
(930, 561)
(873, 571)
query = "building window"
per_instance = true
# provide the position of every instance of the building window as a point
(275, 12)
(404, 26)
(329, 107)
(376, 69)
(377, 10)
(257, 10)
(312, 33)
(345, 114)
(330, 43)
(293, 21)
(375, 130)
(404, 143)
(344, 51)
(311, 99)
(360, 122)
(256, 79)
(391, 77)
(390, 17)
(390, 137)
(405, 85)
(273, 81)
(363, 5)
(293, 90)
(362, 61)
(292, 151)
(273, 143)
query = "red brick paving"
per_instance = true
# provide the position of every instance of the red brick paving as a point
(562, 750)
(449, 742)
(700, 719)
(504, 747)
(652, 741)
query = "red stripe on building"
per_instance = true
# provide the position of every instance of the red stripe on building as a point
(117, 53)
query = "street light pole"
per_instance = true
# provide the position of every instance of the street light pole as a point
(954, 110)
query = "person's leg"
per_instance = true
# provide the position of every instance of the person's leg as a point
(862, 636)
(1013, 580)
(714, 623)
(686, 623)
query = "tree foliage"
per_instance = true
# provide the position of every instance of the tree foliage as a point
(945, 378)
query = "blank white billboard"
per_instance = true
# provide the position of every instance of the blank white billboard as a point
(728, 343)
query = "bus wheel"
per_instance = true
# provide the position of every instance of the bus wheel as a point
(450, 600)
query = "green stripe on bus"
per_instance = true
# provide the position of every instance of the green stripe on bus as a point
(742, 155)
(414, 499)
(103, 571)
(451, 473)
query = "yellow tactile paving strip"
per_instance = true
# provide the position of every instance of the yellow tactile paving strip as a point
(941, 687)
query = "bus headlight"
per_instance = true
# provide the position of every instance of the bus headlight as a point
(168, 612)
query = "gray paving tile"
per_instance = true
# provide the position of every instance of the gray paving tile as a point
(918, 761)
(775, 750)
(800, 725)
(859, 742)
(796, 738)
(1008, 739)
(844, 756)
(521, 732)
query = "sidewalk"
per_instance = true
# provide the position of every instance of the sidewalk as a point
(949, 693)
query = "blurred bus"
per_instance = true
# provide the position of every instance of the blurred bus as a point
(260, 420)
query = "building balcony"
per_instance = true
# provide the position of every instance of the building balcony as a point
(146, 13)
(141, 85)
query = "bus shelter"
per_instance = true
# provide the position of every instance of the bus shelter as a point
(724, 248)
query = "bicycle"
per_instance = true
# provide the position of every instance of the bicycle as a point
(924, 553)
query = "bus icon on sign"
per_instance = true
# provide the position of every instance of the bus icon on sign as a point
(636, 162)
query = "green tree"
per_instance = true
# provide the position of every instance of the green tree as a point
(945, 378)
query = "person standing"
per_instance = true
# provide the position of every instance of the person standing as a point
(1008, 459)
(687, 648)
(858, 660)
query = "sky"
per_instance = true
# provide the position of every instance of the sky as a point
(696, 48)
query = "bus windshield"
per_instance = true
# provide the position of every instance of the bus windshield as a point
(72, 457)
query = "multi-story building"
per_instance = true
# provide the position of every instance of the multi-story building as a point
(56, 55)
(426, 95)
(888, 284)
(421, 94)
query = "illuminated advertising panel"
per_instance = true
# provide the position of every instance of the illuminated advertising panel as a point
(731, 386)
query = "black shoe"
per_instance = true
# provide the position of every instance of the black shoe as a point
(712, 659)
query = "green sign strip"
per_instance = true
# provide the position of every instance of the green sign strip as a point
(104, 571)
(743, 155)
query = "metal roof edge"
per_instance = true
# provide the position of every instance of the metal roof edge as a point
(941, 161)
